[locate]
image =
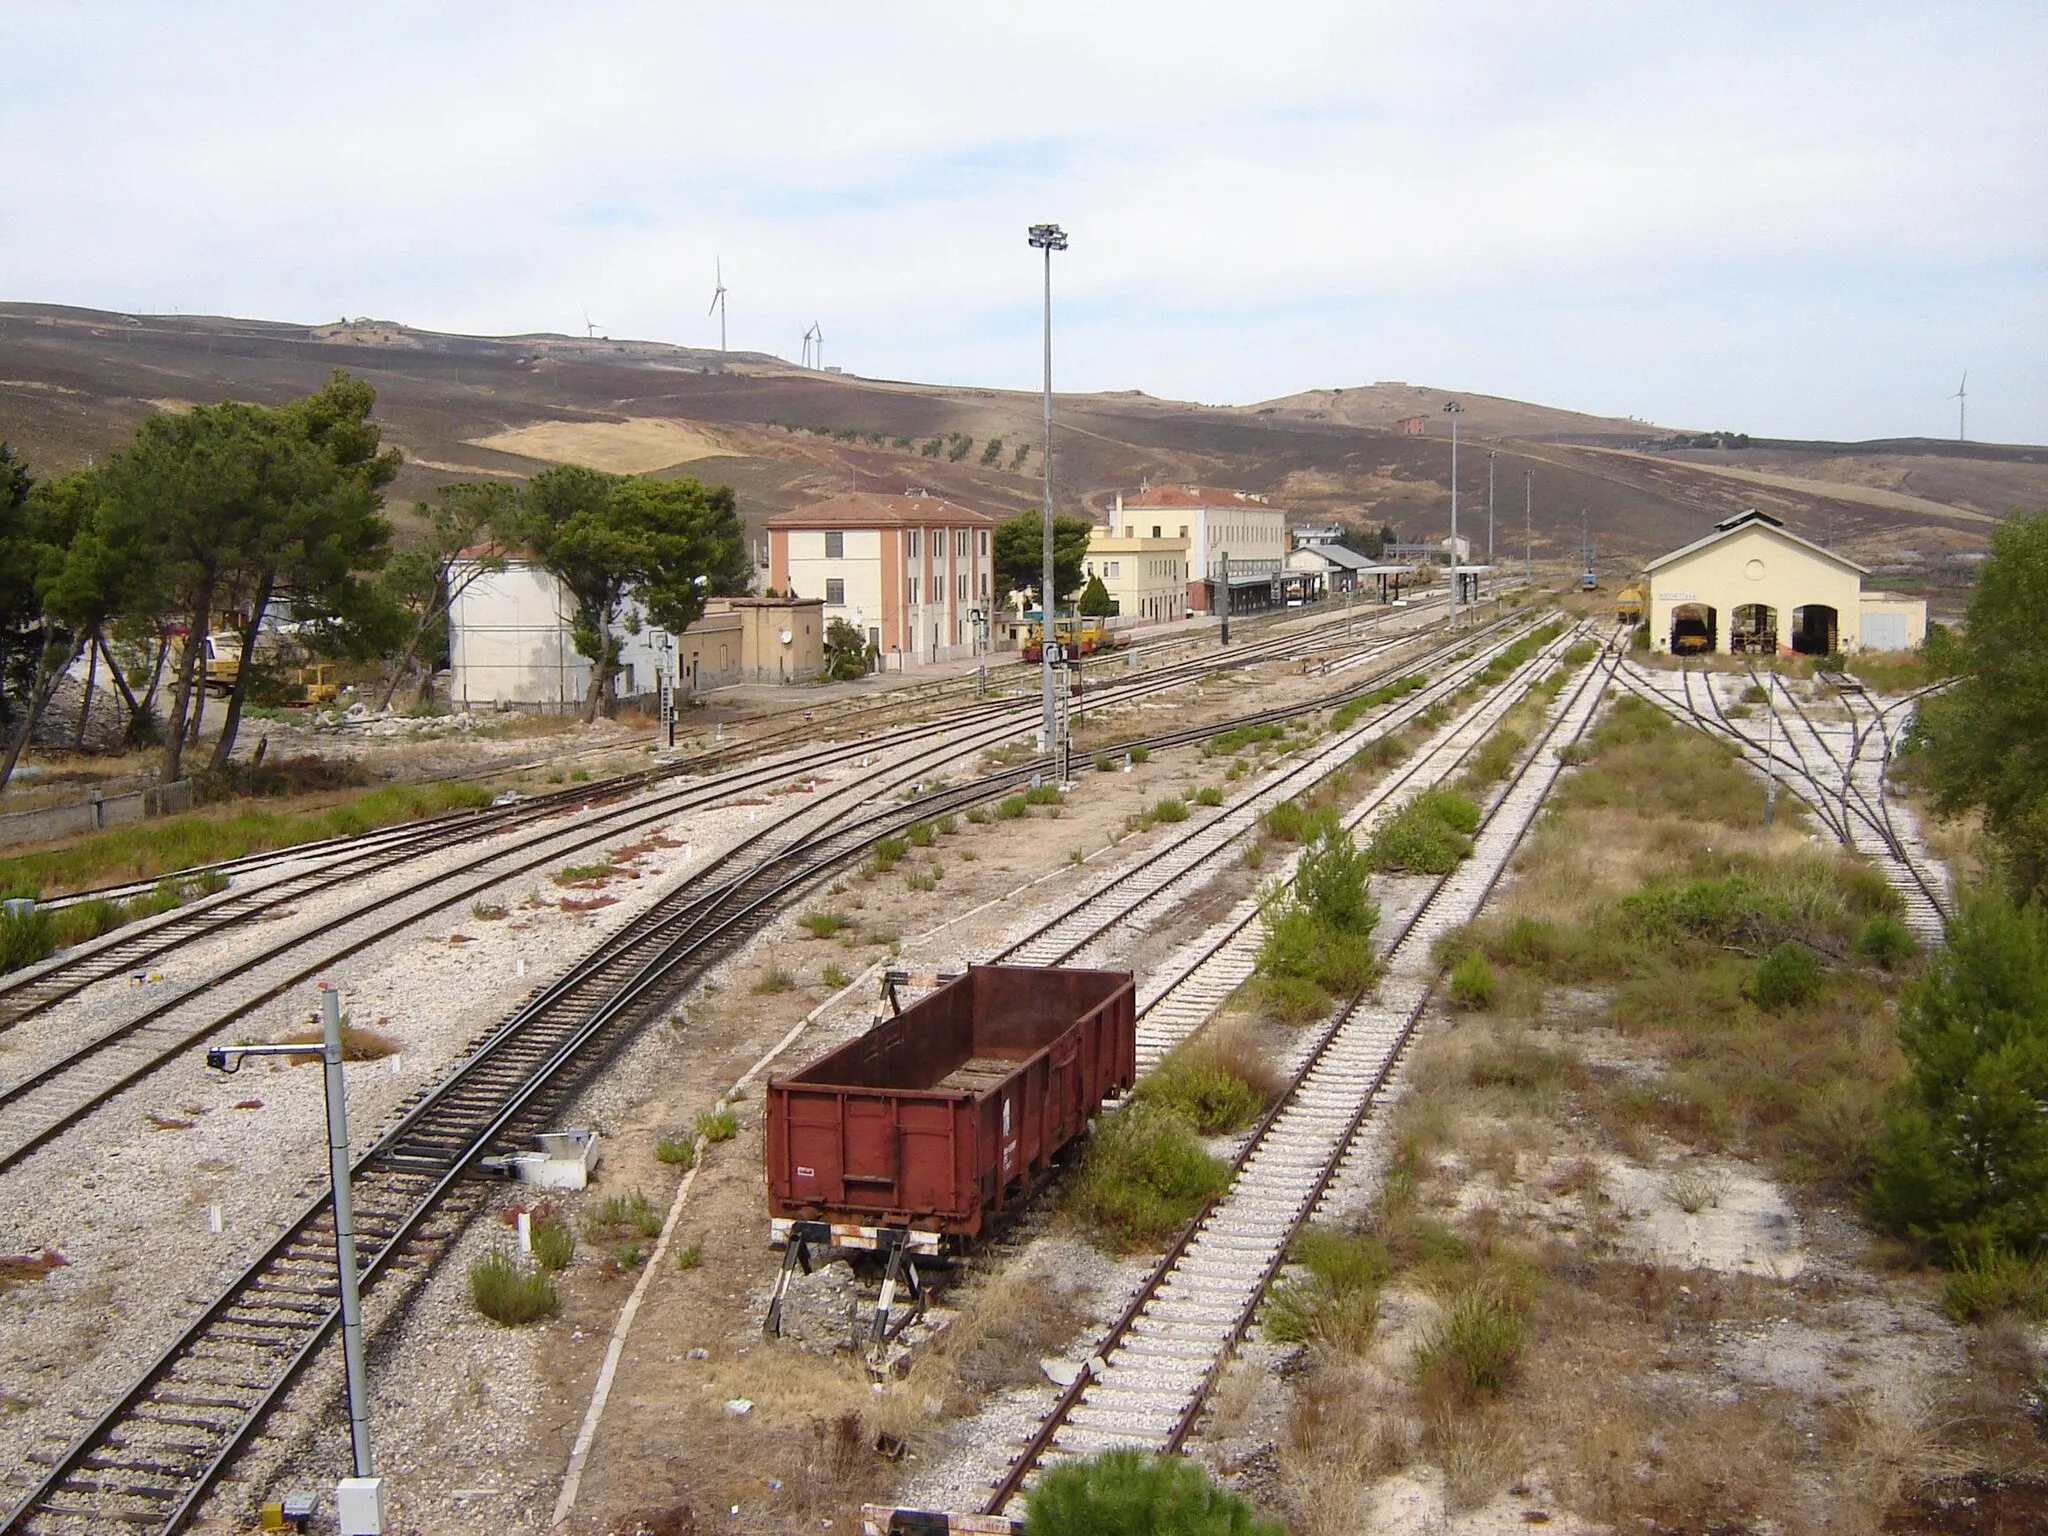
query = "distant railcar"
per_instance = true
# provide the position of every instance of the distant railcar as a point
(942, 1118)
(1628, 605)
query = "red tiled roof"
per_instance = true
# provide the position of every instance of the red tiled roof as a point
(1196, 496)
(872, 509)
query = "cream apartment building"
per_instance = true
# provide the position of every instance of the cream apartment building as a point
(1248, 529)
(910, 572)
(1147, 577)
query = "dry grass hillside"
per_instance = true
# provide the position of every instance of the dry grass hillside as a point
(73, 383)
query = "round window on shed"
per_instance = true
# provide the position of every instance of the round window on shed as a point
(1754, 570)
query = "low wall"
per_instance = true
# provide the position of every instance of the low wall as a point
(89, 815)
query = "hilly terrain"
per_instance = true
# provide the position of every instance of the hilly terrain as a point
(74, 382)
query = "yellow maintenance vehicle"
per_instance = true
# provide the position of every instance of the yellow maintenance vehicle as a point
(1077, 637)
(1628, 605)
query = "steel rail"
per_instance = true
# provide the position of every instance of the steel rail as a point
(1217, 1347)
(414, 1167)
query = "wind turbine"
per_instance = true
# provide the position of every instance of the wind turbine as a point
(589, 327)
(1962, 400)
(718, 303)
(814, 346)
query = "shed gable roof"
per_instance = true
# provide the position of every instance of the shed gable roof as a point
(1753, 523)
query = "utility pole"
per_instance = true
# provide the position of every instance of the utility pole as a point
(1529, 527)
(1455, 410)
(1489, 506)
(1226, 597)
(1048, 238)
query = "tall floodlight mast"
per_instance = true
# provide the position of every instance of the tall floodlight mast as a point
(1455, 410)
(1047, 238)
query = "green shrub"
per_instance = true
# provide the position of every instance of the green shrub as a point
(716, 1125)
(630, 1212)
(977, 814)
(676, 1151)
(1143, 1177)
(554, 1242)
(1789, 977)
(1011, 807)
(1208, 794)
(1171, 808)
(84, 920)
(923, 879)
(775, 979)
(1495, 758)
(1338, 1299)
(1139, 754)
(1200, 1087)
(1104, 763)
(1043, 794)
(1885, 941)
(919, 834)
(1427, 836)
(1962, 1163)
(887, 853)
(1292, 822)
(1473, 984)
(1291, 999)
(1320, 929)
(576, 874)
(1238, 737)
(1128, 1493)
(27, 938)
(1996, 1280)
(946, 824)
(1474, 1346)
(507, 1292)
(834, 976)
(822, 925)
(690, 1256)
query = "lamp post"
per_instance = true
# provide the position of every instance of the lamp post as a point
(1454, 410)
(361, 1497)
(1489, 506)
(1528, 527)
(1047, 238)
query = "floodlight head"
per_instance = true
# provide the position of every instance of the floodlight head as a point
(1454, 408)
(224, 1059)
(1048, 237)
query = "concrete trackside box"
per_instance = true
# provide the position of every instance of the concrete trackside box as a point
(942, 1116)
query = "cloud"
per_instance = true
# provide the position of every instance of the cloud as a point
(1789, 219)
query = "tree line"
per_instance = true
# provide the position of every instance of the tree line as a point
(219, 519)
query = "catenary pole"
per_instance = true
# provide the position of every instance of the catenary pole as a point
(1455, 410)
(1047, 238)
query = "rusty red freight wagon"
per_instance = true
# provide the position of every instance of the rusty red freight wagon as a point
(944, 1116)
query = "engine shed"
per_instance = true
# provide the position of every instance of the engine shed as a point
(1754, 587)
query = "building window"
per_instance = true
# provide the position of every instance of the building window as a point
(835, 590)
(984, 584)
(913, 591)
(1114, 566)
(835, 546)
(984, 541)
(916, 543)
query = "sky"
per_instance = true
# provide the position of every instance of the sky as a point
(1795, 220)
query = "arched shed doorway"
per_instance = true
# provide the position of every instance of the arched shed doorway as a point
(1695, 630)
(1753, 630)
(1815, 630)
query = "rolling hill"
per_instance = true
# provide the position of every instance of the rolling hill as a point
(74, 382)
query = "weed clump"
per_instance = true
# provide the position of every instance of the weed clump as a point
(1011, 807)
(1789, 977)
(1208, 794)
(509, 1293)
(1472, 1351)
(1885, 942)
(1473, 984)
(1171, 809)
(822, 925)
(1128, 1493)
(676, 1152)
(1337, 1300)
(716, 1125)
(1431, 835)
(1217, 1082)
(1143, 1178)
(887, 853)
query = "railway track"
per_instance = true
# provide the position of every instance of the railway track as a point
(1841, 782)
(153, 1455)
(802, 737)
(1149, 1377)
(37, 1106)
(1139, 893)
(36, 989)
